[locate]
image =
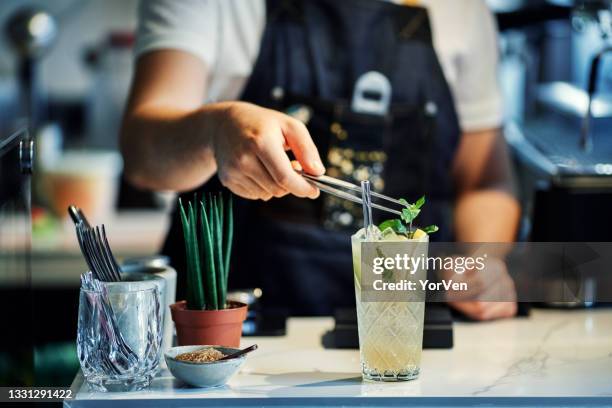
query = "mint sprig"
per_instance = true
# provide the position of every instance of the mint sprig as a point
(411, 211)
(403, 225)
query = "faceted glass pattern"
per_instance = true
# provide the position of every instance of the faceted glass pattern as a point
(390, 339)
(390, 333)
(137, 315)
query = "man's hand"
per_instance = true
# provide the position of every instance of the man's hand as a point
(486, 210)
(170, 141)
(249, 148)
(491, 292)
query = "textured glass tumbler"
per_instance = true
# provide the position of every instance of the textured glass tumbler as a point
(122, 355)
(390, 333)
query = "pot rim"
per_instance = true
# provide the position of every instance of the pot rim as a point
(181, 306)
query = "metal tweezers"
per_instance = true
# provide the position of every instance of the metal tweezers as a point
(329, 184)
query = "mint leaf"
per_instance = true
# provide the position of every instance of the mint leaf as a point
(404, 202)
(396, 225)
(430, 229)
(410, 213)
(420, 202)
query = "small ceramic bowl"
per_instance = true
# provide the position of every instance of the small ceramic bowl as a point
(211, 374)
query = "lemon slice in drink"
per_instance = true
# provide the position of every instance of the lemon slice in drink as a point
(418, 234)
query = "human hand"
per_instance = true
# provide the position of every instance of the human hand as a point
(491, 292)
(250, 151)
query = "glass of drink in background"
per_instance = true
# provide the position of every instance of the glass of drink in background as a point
(390, 332)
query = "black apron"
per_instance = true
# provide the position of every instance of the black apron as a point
(312, 53)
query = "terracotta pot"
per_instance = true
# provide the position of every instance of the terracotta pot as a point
(214, 327)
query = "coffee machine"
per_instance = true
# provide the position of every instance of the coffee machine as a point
(564, 148)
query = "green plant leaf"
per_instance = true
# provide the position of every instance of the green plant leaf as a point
(211, 284)
(191, 297)
(188, 257)
(221, 244)
(195, 257)
(228, 236)
(208, 234)
(410, 213)
(419, 203)
(220, 214)
(394, 224)
(431, 229)
(217, 248)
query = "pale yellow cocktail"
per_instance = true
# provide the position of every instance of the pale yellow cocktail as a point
(390, 332)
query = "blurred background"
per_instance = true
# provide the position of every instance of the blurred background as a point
(65, 67)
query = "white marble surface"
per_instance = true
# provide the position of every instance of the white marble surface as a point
(549, 354)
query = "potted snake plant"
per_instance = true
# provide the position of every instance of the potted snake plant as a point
(206, 316)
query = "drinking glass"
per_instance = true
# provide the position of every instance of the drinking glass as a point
(390, 332)
(122, 355)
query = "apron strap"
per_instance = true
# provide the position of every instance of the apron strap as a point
(293, 10)
(411, 24)
(278, 9)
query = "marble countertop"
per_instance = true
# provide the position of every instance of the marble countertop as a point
(551, 354)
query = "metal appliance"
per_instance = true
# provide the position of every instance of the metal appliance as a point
(569, 140)
(16, 348)
(565, 147)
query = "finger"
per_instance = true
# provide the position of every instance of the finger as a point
(264, 192)
(502, 291)
(497, 283)
(469, 309)
(258, 192)
(278, 165)
(265, 179)
(298, 167)
(241, 191)
(255, 170)
(301, 144)
(499, 310)
(246, 188)
(474, 310)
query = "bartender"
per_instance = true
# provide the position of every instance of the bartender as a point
(238, 94)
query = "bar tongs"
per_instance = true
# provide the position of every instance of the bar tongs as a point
(337, 188)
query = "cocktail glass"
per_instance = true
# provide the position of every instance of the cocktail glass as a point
(390, 332)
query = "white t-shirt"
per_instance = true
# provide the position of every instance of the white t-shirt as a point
(226, 35)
